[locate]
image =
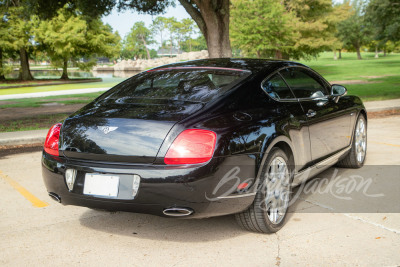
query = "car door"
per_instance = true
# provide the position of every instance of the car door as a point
(296, 126)
(328, 121)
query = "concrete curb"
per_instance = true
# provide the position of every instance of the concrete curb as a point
(383, 105)
(23, 137)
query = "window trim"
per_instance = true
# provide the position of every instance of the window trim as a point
(295, 99)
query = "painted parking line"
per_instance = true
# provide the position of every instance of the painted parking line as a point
(25, 193)
(387, 144)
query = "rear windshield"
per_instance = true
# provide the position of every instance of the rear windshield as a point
(197, 85)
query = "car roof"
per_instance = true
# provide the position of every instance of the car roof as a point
(250, 64)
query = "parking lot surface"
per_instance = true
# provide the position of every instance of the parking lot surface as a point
(36, 230)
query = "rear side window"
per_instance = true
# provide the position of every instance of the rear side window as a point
(302, 84)
(200, 85)
(277, 88)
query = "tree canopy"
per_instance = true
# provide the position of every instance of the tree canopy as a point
(385, 17)
(138, 39)
(68, 36)
(296, 29)
(263, 28)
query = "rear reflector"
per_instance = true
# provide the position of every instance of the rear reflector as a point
(51, 143)
(242, 186)
(192, 146)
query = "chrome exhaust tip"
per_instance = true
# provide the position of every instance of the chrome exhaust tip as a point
(177, 212)
(55, 197)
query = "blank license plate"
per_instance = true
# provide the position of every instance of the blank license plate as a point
(101, 185)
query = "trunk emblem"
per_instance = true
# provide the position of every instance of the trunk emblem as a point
(107, 129)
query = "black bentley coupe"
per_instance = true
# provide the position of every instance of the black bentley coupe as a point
(205, 138)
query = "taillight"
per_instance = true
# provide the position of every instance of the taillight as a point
(191, 146)
(51, 143)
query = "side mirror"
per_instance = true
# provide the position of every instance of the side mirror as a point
(338, 91)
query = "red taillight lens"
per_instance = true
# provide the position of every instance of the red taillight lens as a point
(51, 143)
(191, 146)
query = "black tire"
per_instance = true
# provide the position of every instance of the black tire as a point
(255, 218)
(351, 161)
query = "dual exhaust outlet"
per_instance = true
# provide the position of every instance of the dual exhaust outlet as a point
(172, 212)
(55, 197)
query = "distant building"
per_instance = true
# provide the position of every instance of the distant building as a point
(166, 52)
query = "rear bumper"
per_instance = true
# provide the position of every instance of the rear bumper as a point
(209, 190)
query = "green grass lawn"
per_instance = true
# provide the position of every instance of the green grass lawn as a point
(105, 84)
(32, 123)
(39, 101)
(382, 72)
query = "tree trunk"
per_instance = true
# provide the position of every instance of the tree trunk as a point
(190, 44)
(258, 54)
(170, 48)
(161, 39)
(212, 17)
(285, 56)
(64, 75)
(340, 53)
(376, 52)
(24, 71)
(2, 77)
(358, 52)
(334, 54)
(278, 54)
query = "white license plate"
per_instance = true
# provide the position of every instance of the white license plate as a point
(101, 185)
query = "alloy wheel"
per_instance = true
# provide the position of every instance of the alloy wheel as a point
(277, 190)
(361, 140)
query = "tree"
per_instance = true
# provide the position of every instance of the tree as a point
(64, 35)
(355, 31)
(188, 28)
(263, 28)
(316, 24)
(294, 29)
(176, 27)
(18, 14)
(68, 36)
(20, 36)
(159, 26)
(211, 16)
(195, 44)
(6, 44)
(138, 39)
(385, 17)
(170, 24)
(340, 13)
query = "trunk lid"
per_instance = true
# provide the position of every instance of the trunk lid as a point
(122, 132)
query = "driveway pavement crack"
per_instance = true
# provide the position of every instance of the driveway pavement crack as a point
(278, 257)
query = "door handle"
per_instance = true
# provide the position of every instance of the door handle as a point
(311, 113)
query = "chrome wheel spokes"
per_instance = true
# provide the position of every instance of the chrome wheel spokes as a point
(277, 190)
(361, 140)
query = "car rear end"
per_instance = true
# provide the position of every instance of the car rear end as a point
(127, 150)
